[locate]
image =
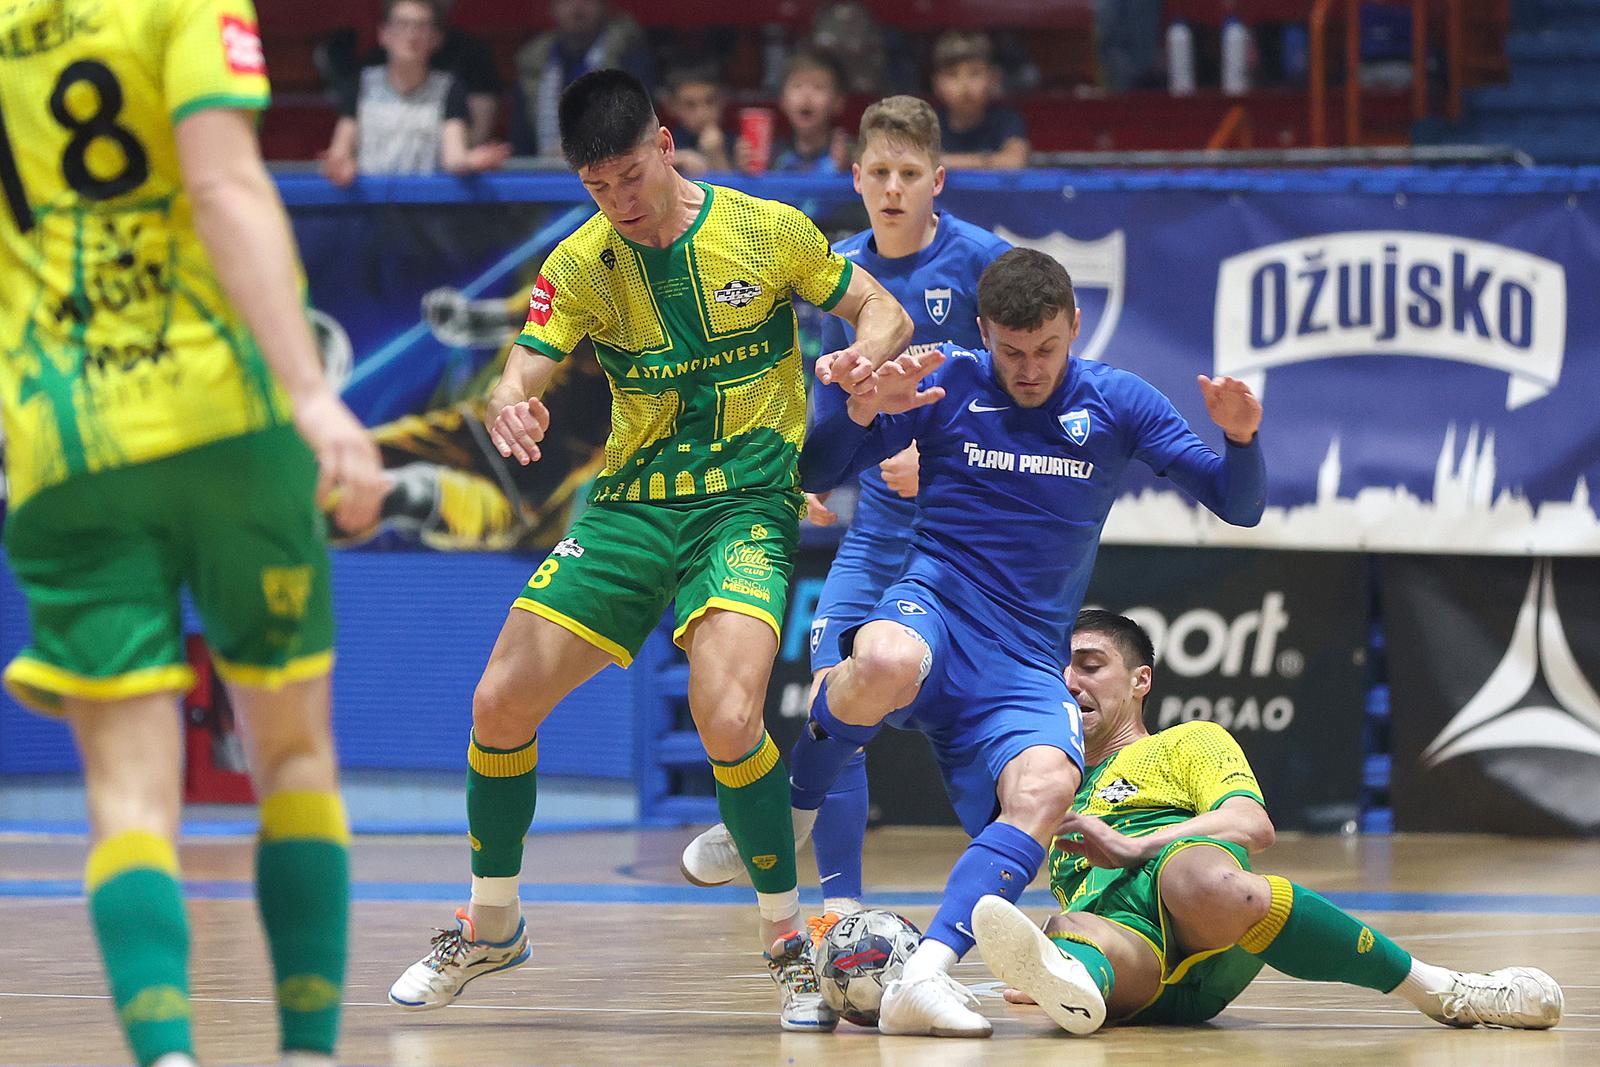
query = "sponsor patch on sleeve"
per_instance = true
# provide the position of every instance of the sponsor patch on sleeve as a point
(241, 46)
(544, 294)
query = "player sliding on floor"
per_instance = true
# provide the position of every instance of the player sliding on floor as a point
(1022, 452)
(1164, 920)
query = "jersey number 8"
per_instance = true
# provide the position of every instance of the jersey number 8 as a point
(99, 124)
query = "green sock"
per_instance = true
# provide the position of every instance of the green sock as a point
(753, 797)
(137, 910)
(303, 889)
(1090, 955)
(502, 788)
(1305, 936)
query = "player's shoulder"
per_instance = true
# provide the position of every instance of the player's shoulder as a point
(586, 242)
(962, 366)
(974, 239)
(852, 246)
(1113, 383)
(1198, 736)
(731, 202)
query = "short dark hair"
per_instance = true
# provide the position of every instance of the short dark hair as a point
(955, 47)
(1024, 288)
(1129, 637)
(693, 74)
(605, 113)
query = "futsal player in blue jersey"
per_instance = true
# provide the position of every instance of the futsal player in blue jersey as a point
(930, 261)
(1022, 451)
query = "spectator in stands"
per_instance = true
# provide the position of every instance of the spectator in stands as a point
(1127, 33)
(694, 99)
(401, 117)
(586, 36)
(874, 60)
(978, 132)
(468, 57)
(813, 93)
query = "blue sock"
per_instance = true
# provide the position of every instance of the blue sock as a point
(821, 751)
(1001, 860)
(840, 831)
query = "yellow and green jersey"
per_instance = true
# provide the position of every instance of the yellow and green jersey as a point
(699, 343)
(1159, 780)
(117, 344)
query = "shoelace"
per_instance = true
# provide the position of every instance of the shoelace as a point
(1473, 998)
(967, 996)
(448, 945)
(792, 970)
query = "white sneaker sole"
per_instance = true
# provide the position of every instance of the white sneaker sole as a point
(1021, 955)
(423, 1005)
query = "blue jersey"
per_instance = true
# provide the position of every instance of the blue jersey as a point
(938, 287)
(1013, 499)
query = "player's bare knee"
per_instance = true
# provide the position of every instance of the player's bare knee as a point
(887, 661)
(501, 716)
(1216, 895)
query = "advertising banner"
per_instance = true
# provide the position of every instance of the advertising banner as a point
(1493, 669)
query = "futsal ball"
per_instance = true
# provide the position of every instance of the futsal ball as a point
(858, 956)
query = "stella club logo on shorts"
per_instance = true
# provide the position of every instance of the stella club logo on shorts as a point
(737, 293)
(287, 590)
(748, 559)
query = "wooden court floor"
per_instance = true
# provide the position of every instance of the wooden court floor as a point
(631, 966)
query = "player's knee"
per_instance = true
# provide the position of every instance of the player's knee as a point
(501, 716)
(1069, 923)
(1219, 895)
(887, 661)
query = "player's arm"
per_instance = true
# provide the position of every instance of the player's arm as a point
(241, 222)
(1232, 485)
(1239, 819)
(882, 330)
(517, 418)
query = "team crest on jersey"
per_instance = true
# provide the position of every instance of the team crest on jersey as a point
(1117, 791)
(1076, 423)
(567, 547)
(609, 258)
(907, 607)
(819, 627)
(937, 301)
(737, 293)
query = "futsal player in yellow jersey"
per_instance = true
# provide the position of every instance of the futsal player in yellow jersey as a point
(687, 292)
(155, 365)
(1163, 919)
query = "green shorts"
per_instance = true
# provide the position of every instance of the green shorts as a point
(611, 577)
(1193, 988)
(101, 559)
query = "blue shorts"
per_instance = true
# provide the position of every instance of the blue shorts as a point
(865, 565)
(983, 702)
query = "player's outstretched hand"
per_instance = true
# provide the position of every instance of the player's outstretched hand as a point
(1232, 405)
(897, 385)
(350, 480)
(517, 429)
(900, 472)
(818, 513)
(1099, 843)
(849, 369)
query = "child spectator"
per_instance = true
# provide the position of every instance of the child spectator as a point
(694, 99)
(401, 117)
(978, 133)
(813, 93)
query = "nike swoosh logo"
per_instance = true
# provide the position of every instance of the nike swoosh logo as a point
(976, 407)
(961, 928)
(827, 877)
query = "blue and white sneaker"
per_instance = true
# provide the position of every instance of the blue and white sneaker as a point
(456, 959)
(792, 969)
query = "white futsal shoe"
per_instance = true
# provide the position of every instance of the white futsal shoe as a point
(936, 1006)
(456, 959)
(1513, 998)
(713, 859)
(1020, 954)
(790, 962)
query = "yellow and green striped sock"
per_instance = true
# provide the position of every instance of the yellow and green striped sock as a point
(303, 888)
(1306, 936)
(753, 798)
(136, 907)
(502, 791)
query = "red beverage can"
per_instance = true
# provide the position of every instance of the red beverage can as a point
(755, 130)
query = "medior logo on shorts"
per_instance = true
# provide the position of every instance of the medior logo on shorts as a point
(1393, 292)
(544, 293)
